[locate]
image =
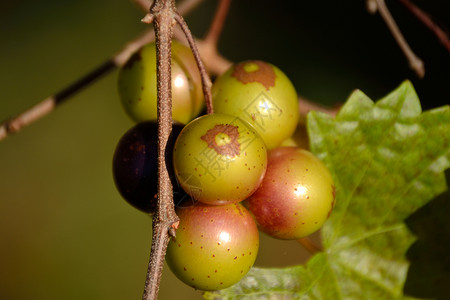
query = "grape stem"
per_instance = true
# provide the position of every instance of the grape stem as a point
(427, 21)
(212, 37)
(415, 63)
(165, 220)
(208, 46)
(206, 81)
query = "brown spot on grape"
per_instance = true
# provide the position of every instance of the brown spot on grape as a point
(209, 276)
(179, 245)
(228, 249)
(255, 71)
(213, 255)
(192, 279)
(215, 271)
(242, 271)
(235, 257)
(223, 139)
(185, 269)
(191, 243)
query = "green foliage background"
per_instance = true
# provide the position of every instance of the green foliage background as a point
(65, 233)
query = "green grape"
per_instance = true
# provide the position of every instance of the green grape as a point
(215, 246)
(137, 85)
(260, 94)
(296, 196)
(219, 159)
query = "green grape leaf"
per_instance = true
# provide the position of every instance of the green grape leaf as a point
(429, 256)
(387, 159)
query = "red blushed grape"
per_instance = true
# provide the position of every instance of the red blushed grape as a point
(215, 246)
(137, 84)
(135, 166)
(296, 196)
(260, 94)
(219, 159)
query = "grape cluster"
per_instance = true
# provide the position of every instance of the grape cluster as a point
(231, 177)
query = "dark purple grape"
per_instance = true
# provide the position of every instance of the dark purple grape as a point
(135, 165)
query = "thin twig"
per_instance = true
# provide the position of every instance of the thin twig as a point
(216, 27)
(415, 62)
(164, 220)
(427, 21)
(209, 43)
(206, 81)
(309, 245)
(47, 105)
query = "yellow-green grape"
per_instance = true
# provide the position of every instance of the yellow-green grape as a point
(215, 246)
(137, 85)
(260, 94)
(219, 159)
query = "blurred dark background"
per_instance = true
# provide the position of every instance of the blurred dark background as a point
(65, 233)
